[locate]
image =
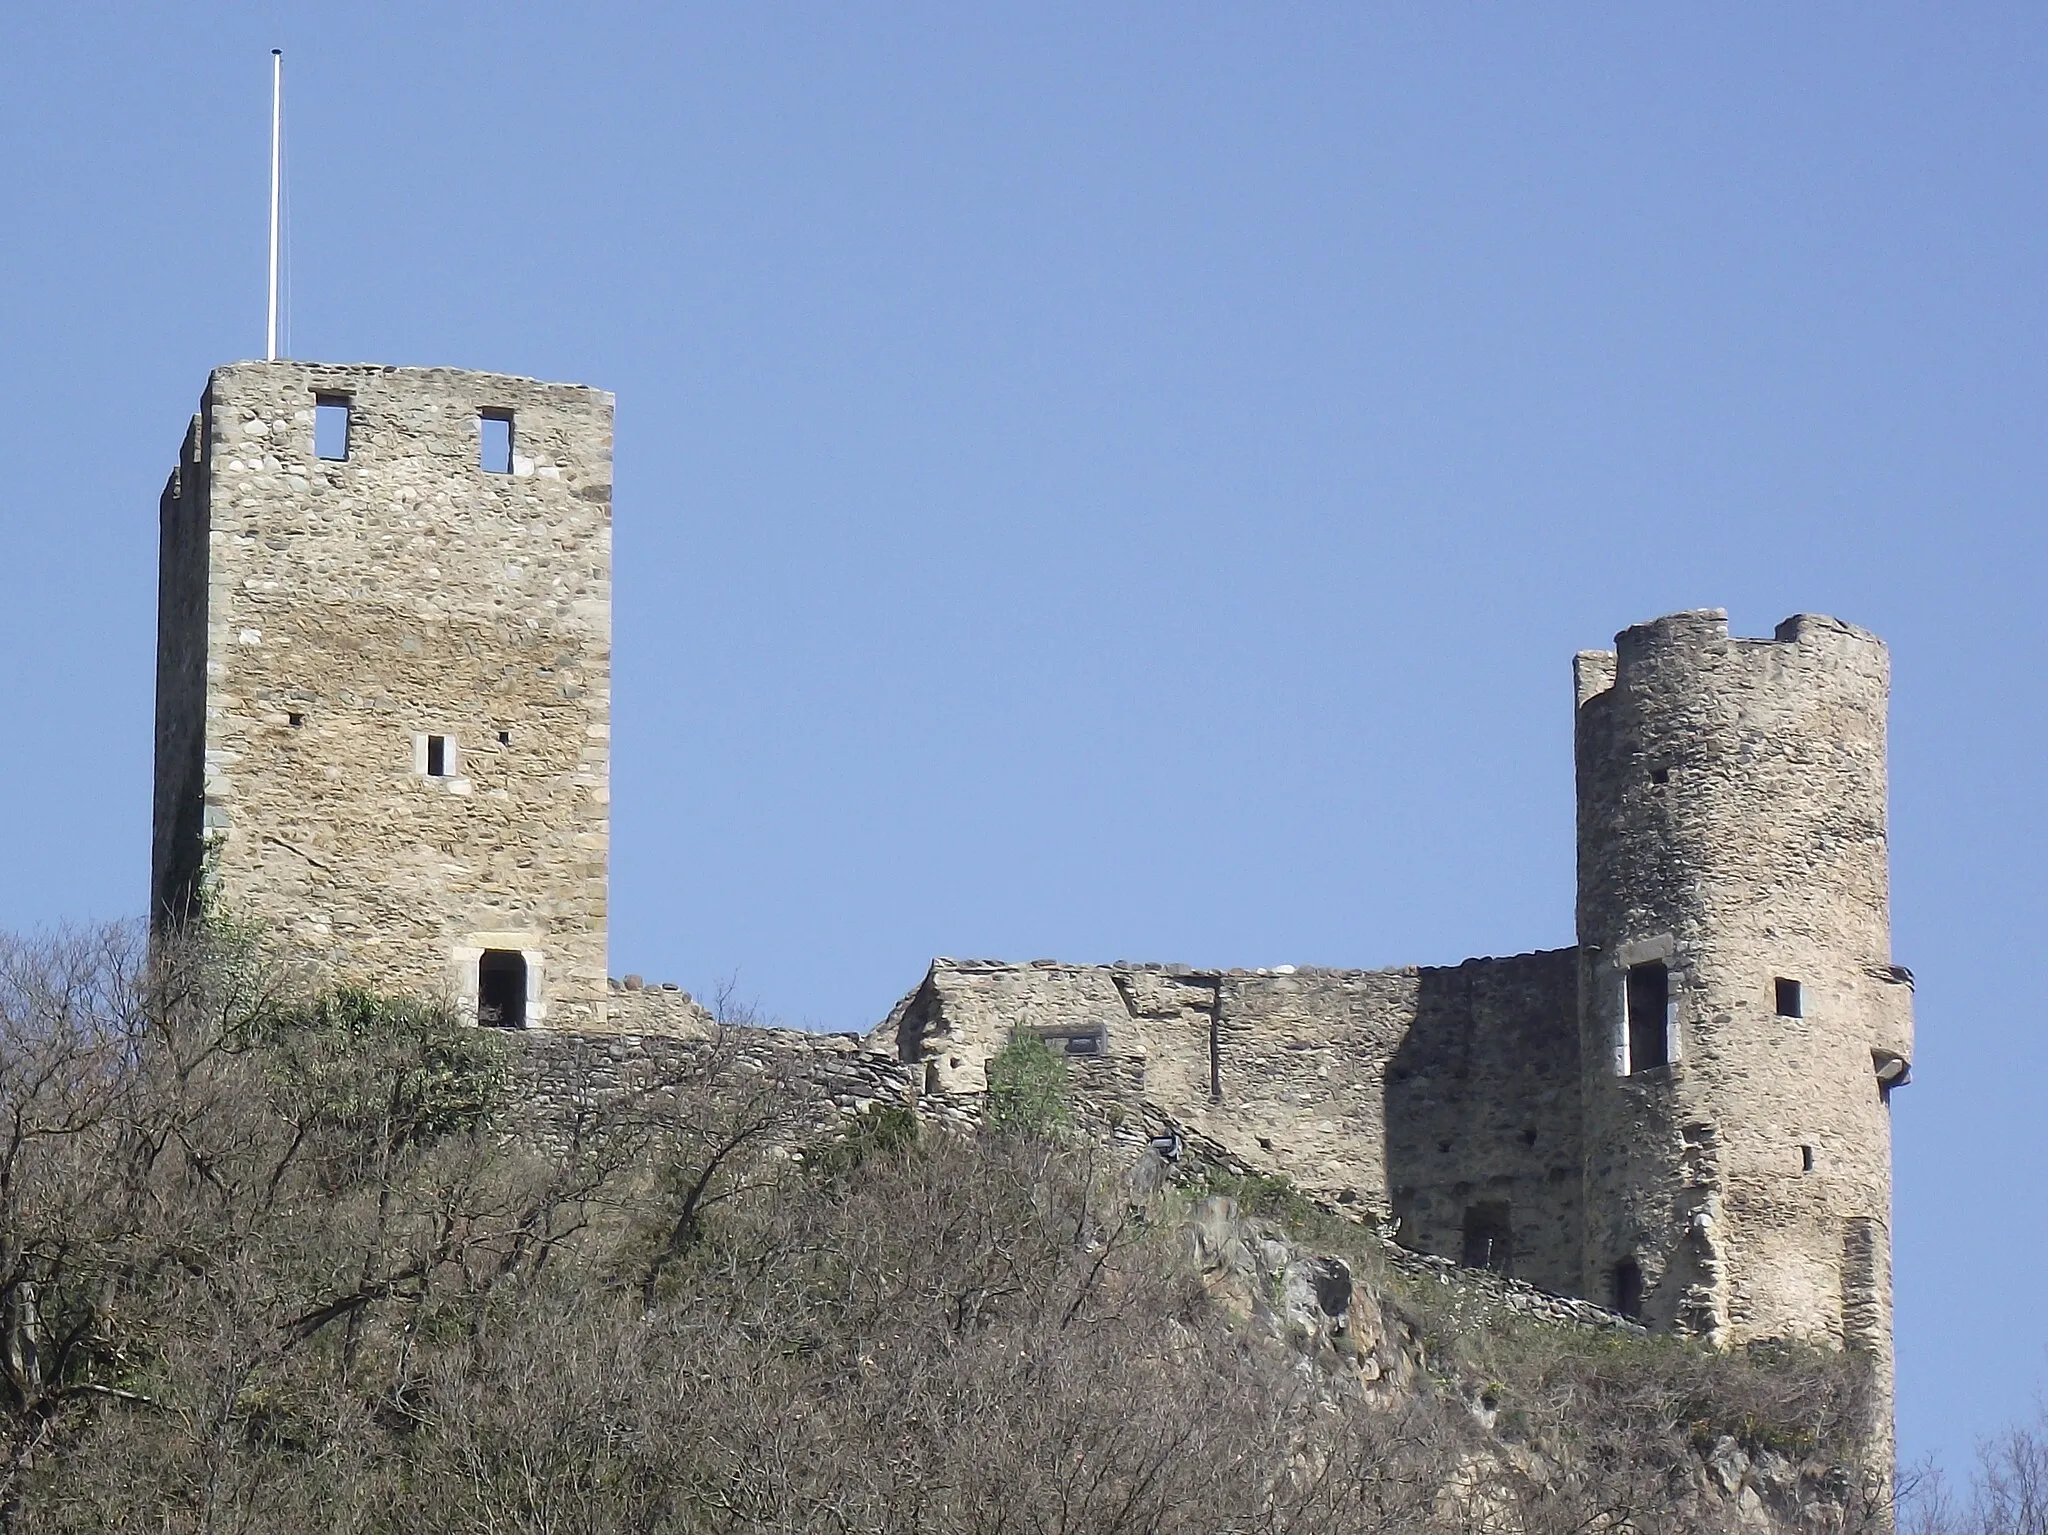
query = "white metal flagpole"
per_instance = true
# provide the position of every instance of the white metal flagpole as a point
(276, 124)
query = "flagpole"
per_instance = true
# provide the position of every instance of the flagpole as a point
(276, 124)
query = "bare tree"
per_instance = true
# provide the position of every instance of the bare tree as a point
(275, 1258)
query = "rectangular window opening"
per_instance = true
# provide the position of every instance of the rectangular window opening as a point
(1789, 1000)
(494, 428)
(330, 426)
(1649, 1016)
(440, 756)
(1806, 1159)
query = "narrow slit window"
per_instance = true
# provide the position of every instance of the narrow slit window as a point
(1790, 1003)
(440, 757)
(330, 426)
(501, 989)
(1649, 1015)
(1806, 1159)
(494, 429)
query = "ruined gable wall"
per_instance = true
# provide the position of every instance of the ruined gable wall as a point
(1405, 1093)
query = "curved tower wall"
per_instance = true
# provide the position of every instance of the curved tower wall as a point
(1732, 829)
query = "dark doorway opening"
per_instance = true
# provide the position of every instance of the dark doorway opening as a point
(501, 989)
(1649, 1011)
(1628, 1289)
(1489, 1242)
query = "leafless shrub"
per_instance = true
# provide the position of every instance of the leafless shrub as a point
(2008, 1492)
(274, 1260)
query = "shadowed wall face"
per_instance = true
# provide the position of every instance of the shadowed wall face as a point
(178, 803)
(1432, 1098)
(404, 735)
(1483, 1151)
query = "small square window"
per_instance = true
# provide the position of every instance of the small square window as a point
(494, 429)
(1790, 1003)
(504, 738)
(297, 720)
(330, 426)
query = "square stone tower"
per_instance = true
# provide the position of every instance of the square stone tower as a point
(384, 679)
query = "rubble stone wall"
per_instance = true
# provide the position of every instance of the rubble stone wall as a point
(1414, 1095)
(350, 608)
(1732, 828)
(559, 1079)
(1728, 1172)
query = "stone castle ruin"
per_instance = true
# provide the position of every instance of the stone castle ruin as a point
(383, 711)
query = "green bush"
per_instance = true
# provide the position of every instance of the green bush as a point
(1027, 1089)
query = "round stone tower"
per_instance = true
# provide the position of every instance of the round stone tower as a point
(1742, 1024)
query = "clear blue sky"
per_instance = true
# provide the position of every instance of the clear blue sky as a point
(1125, 481)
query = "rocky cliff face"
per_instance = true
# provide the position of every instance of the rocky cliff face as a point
(1558, 1396)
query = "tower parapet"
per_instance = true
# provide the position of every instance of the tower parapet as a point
(1742, 1023)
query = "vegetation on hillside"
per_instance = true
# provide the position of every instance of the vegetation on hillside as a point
(279, 1262)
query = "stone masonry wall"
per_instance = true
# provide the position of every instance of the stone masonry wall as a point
(1732, 828)
(352, 608)
(561, 1079)
(1412, 1095)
